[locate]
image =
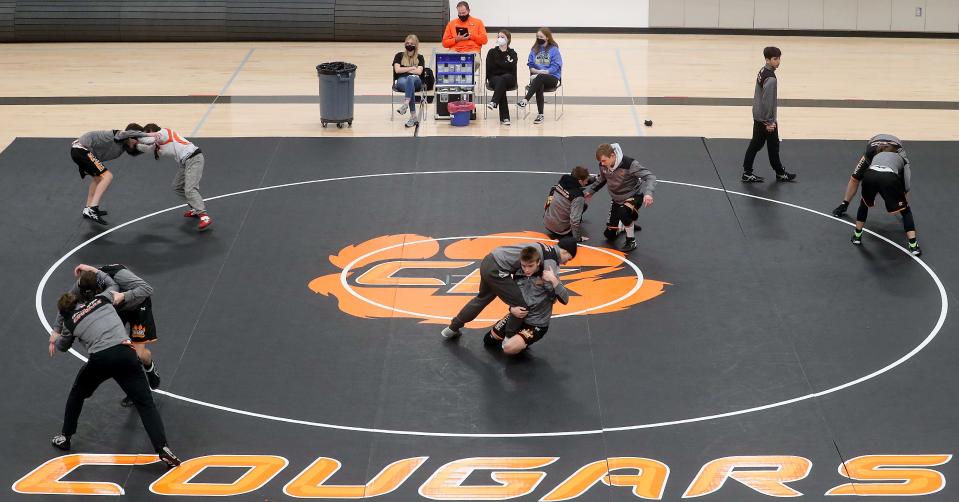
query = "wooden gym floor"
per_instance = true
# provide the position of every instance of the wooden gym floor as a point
(689, 85)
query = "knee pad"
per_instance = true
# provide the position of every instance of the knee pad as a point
(908, 224)
(627, 212)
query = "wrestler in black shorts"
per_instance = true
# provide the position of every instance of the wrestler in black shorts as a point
(888, 176)
(496, 335)
(143, 328)
(887, 185)
(87, 163)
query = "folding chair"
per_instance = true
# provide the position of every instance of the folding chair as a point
(486, 96)
(558, 108)
(557, 91)
(422, 103)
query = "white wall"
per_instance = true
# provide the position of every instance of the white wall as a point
(851, 15)
(560, 13)
(848, 15)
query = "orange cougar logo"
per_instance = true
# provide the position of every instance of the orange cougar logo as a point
(406, 276)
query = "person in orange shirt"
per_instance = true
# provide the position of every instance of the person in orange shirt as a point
(465, 33)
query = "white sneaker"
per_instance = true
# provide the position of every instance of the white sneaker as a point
(403, 109)
(522, 103)
(449, 333)
(504, 122)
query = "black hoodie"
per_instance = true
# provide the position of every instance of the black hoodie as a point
(500, 63)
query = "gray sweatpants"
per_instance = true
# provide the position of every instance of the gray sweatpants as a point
(493, 283)
(187, 182)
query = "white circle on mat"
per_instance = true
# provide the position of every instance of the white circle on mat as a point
(932, 334)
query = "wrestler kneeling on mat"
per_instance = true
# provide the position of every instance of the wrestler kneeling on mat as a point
(540, 287)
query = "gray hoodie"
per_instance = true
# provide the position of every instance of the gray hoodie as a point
(507, 257)
(624, 181)
(764, 95)
(108, 286)
(107, 145)
(96, 324)
(540, 296)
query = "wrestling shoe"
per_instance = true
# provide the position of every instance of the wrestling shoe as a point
(61, 442)
(914, 249)
(205, 222)
(856, 238)
(629, 245)
(450, 333)
(784, 176)
(191, 213)
(126, 402)
(749, 177)
(93, 216)
(167, 456)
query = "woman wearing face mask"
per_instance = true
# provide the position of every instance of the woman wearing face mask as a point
(545, 68)
(407, 68)
(501, 74)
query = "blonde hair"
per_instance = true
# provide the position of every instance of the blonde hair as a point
(411, 60)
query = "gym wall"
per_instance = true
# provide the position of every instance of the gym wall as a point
(939, 16)
(223, 20)
(936, 16)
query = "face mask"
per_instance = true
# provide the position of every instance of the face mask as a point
(410, 48)
(500, 41)
(464, 18)
(540, 41)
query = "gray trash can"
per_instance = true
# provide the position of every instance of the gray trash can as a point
(336, 92)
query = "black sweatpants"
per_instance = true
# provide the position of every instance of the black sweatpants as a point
(501, 84)
(763, 137)
(120, 363)
(494, 283)
(536, 87)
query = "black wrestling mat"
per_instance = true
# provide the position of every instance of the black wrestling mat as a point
(745, 351)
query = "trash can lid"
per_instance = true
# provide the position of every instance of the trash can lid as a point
(335, 68)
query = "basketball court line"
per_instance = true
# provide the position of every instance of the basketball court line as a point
(629, 93)
(222, 91)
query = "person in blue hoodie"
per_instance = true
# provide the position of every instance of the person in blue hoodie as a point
(546, 70)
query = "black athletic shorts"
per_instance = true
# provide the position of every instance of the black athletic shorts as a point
(86, 162)
(531, 334)
(889, 186)
(143, 328)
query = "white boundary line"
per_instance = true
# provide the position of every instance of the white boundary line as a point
(349, 266)
(884, 369)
